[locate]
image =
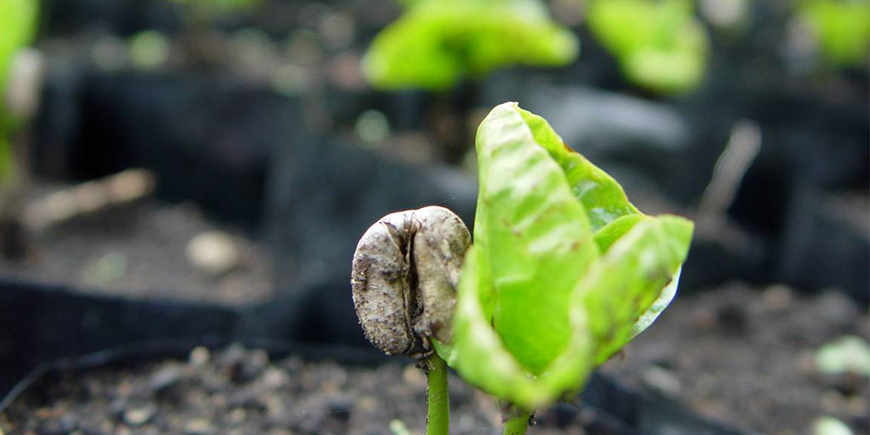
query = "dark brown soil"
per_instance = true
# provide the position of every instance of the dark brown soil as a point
(739, 355)
(139, 250)
(746, 357)
(239, 391)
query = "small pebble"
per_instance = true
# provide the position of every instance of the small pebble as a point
(139, 415)
(661, 380)
(777, 297)
(213, 252)
(275, 378)
(165, 378)
(200, 356)
(198, 427)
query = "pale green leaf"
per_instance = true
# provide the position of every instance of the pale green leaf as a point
(436, 43)
(564, 270)
(631, 275)
(479, 355)
(841, 28)
(18, 19)
(17, 28)
(602, 197)
(659, 45)
(534, 235)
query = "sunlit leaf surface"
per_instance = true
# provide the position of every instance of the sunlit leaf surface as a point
(564, 271)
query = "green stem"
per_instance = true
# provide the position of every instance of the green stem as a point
(517, 425)
(438, 422)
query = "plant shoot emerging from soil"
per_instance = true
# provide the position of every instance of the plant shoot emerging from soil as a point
(563, 272)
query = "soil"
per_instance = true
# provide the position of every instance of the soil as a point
(139, 250)
(745, 357)
(738, 355)
(239, 391)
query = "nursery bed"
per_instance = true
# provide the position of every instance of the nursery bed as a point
(745, 356)
(738, 355)
(240, 391)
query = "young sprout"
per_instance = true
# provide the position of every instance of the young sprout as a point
(405, 271)
(564, 271)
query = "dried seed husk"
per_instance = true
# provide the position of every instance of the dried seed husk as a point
(405, 271)
(440, 244)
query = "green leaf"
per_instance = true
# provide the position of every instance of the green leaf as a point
(564, 270)
(534, 234)
(17, 27)
(607, 236)
(600, 194)
(621, 288)
(659, 44)
(436, 43)
(842, 29)
(480, 356)
(224, 6)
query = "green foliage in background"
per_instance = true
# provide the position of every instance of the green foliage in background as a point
(223, 6)
(18, 20)
(17, 28)
(841, 28)
(659, 45)
(564, 270)
(436, 43)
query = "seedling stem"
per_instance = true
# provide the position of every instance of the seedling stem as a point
(439, 403)
(517, 425)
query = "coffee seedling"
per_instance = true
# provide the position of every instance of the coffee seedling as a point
(563, 272)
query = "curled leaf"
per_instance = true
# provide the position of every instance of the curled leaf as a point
(629, 277)
(563, 271)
